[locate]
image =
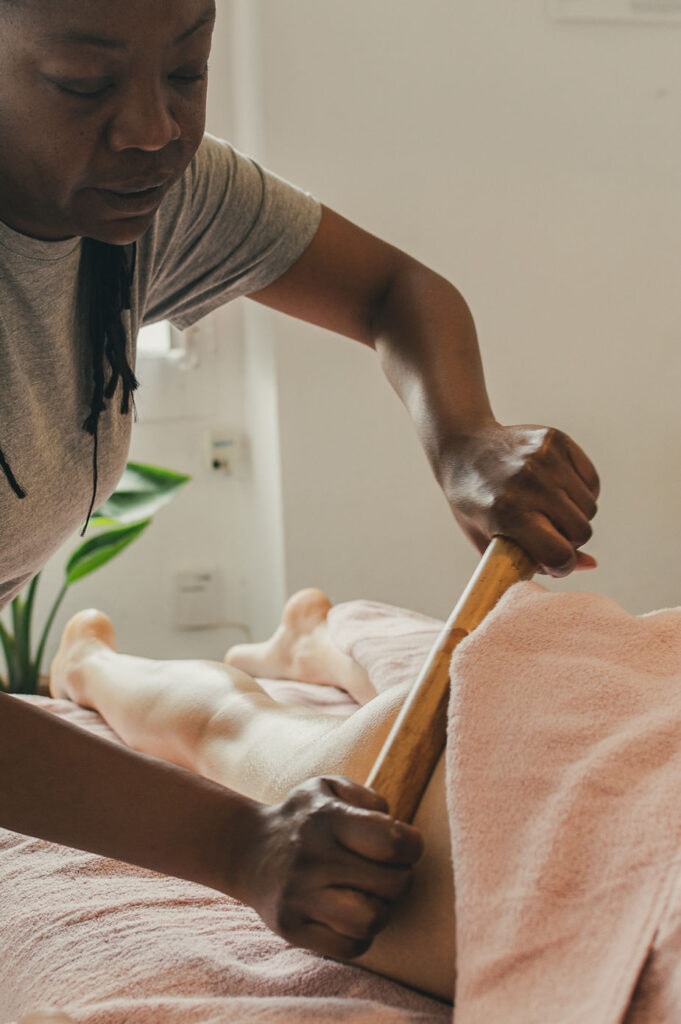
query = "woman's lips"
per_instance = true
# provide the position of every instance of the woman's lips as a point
(132, 203)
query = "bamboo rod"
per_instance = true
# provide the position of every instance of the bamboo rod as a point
(413, 747)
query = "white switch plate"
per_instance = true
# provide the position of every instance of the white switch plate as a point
(226, 451)
(664, 12)
(198, 599)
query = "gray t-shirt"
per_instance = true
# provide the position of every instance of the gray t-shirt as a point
(227, 228)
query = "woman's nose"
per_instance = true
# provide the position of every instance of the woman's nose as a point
(144, 120)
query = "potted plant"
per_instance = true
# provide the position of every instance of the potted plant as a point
(141, 491)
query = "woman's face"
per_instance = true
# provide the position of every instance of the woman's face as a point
(102, 106)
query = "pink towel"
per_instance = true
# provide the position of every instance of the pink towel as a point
(390, 643)
(564, 789)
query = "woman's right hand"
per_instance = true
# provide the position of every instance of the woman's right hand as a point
(327, 864)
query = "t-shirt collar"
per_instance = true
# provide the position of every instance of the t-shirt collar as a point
(36, 248)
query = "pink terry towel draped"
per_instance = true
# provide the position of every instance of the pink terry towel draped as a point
(564, 795)
(564, 790)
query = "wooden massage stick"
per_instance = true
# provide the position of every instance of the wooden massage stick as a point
(416, 741)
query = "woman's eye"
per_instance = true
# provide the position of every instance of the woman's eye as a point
(189, 77)
(86, 90)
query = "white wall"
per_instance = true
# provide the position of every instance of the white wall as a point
(537, 165)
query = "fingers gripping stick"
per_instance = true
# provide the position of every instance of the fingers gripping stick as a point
(417, 739)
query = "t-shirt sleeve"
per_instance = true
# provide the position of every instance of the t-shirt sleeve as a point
(227, 228)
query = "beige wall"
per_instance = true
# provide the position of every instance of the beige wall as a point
(535, 164)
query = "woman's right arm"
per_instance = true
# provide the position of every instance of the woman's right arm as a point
(329, 845)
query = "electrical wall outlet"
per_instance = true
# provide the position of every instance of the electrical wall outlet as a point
(226, 452)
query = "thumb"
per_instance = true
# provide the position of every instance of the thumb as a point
(355, 794)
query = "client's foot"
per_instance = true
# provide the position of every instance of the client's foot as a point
(84, 632)
(301, 649)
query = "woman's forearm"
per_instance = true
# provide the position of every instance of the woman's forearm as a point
(353, 283)
(66, 785)
(425, 337)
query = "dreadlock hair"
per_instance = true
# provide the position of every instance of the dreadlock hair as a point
(104, 280)
(4, 464)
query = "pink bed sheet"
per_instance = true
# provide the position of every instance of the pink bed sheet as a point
(112, 944)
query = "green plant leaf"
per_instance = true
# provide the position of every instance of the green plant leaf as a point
(38, 660)
(100, 521)
(7, 641)
(98, 550)
(141, 491)
(22, 609)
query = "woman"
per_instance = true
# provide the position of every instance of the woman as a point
(115, 210)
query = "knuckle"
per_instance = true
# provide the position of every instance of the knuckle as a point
(297, 800)
(374, 801)
(370, 914)
(556, 555)
(287, 919)
(506, 510)
(553, 438)
(407, 845)
(310, 830)
(582, 534)
(559, 569)
(356, 947)
(530, 473)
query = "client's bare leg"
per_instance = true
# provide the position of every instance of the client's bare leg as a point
(216, 720)
(205, 716)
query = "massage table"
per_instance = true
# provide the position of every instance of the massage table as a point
(563, 755)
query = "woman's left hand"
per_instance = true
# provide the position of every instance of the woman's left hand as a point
(325, 867)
